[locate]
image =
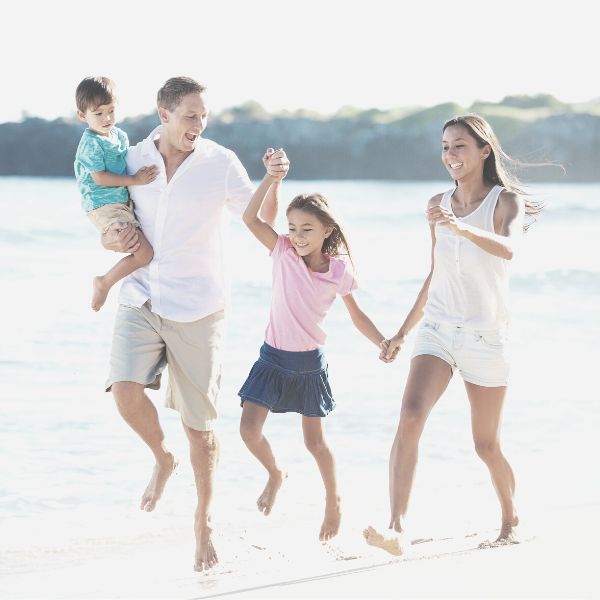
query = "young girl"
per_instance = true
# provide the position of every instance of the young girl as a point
(291, 372)
(475, 228)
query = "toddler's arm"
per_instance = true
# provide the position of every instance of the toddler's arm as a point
(144, 176)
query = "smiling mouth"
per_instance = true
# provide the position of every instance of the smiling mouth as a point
(456, 165)
(191, 137)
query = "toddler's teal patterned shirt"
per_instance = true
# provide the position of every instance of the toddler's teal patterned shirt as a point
(99, 153)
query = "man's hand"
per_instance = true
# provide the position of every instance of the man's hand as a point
(146, 175)
(276, 162)
(121, 237)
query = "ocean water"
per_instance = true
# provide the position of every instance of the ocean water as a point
(72, 472)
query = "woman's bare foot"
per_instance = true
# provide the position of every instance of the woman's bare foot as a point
(100, 292)
(266, 500)
(206, 556)
(391, 543)
(331, 521)
(162, 472)
(508, 533)
(507, 536)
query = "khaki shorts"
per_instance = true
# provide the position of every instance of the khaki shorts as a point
(108, 214)
(144, 343)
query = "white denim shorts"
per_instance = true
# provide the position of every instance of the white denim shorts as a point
(481, 356)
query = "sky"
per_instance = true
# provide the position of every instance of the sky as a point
(318, 55)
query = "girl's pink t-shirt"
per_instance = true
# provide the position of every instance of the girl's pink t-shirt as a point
(301, 298)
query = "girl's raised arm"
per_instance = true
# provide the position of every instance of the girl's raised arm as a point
(262, 231)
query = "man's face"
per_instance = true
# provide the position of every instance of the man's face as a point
(184, 125)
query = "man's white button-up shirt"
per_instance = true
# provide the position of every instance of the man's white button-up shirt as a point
(184, 220)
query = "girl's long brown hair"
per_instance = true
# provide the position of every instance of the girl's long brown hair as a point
(335, 244)
(498, 166)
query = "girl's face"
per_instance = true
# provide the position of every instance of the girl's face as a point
(307, 233)
(460, 153)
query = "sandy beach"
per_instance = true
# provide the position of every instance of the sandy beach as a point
(555, 559)
(73, 472)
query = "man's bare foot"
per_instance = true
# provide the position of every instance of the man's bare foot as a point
(266, 500)
(162, 472)
(206, 556)
(331, 521)
(100, 292)
(391, 543)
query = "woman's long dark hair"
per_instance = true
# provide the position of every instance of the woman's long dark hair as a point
(335, 244)
(498, 166)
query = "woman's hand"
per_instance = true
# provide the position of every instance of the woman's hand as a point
(390, 348)
(438, 215)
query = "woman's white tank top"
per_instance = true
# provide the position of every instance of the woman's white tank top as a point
(469, 287)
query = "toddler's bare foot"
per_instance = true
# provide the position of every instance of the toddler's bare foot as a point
(266, 500)
(391, 543)
(100, 292)
(206, 556)
(160, 475)
(331, 521)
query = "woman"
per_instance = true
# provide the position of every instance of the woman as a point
(475, 228)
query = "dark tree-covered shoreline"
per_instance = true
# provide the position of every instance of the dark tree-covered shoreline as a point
(402, 144)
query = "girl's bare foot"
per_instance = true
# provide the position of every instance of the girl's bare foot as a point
(266, 500)
(100, 292)
(331, 521)
(160, 475)
(206, 556)
(391, 543)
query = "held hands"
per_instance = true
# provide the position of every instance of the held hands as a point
(438, 215)
(390, 348)
(146, 175)
(276, 163)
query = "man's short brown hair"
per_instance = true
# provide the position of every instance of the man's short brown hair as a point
(170, 94)
(93, 92)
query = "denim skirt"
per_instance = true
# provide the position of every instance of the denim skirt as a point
(286, 381)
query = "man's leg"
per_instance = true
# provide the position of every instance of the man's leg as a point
(141, 415)
(204, 456)
(194, 359)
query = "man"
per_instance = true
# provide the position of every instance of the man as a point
(172, 311)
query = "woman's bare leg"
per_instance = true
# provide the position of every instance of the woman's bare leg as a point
(428, 378)
(486, 421)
